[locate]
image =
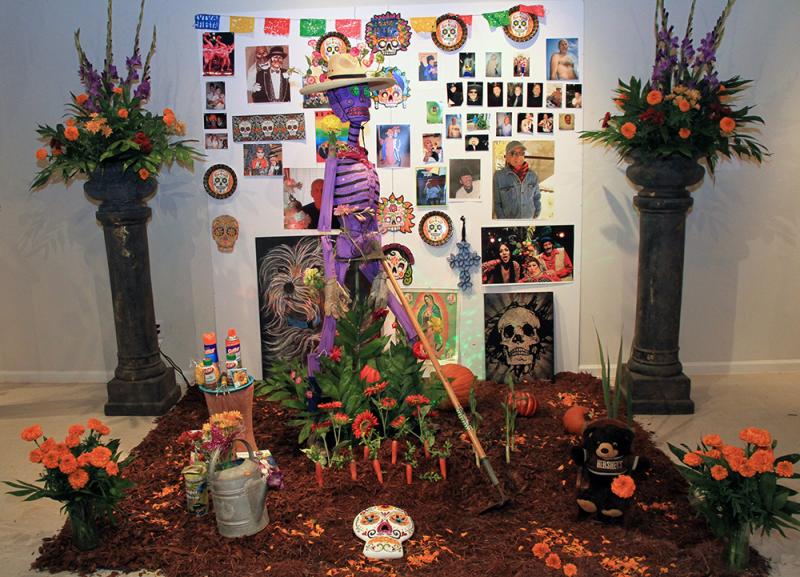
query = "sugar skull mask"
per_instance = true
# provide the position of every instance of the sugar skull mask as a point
(225, 231)
(384, 528)
(450, 32)
(400, 262)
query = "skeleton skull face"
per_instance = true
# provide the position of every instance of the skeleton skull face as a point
(389, 46)
(519, 337)
(220, 182)
(400, 265)
(390, 97)
(262, 57)
(350, 103)
(384, 528)
(448, 32)
(293, 126)
(267, 128)
(331, 46)
(520, 24)
(225, 231)
(245, 129)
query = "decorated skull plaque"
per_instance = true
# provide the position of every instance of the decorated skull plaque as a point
(225, 230)
(384, 528)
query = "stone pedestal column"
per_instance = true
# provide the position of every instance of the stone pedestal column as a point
(654, 374)
(142, 383)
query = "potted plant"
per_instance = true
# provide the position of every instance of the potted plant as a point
(664, 125)
(83, 472)
(119, 146)
(737, 491)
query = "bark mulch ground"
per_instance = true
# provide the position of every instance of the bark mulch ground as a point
(310, 533)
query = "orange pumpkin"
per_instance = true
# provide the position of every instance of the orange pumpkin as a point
(525, 402)
(461, 381)
(575, 419)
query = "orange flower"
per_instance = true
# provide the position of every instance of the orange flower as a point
(61, 449)
(719, 472)
(619, 102)
(51, 459)
(762, 460)
(169, 117)
(714, 453)
(31, 433)
(727, 124)
(122, 113)
(784, 469)
(747, 469)
(57, 152)
(168, 112)
(712, 440)
(94, 126)
(570, 570)
(684, 133)
(369, 375)
(48, 444)
(654, 97)
(117, 90)
(97, 425)
(83, 459)
(41, 154)
(78, 479)
(71, 133)
(553, 561)
(68, 464)
(81, 99)
(692, 459)
(144, 174)
(540, 550)
(683, 104)
(99, 456)
(623, 486)
(72, 441)
(752, 435)
(36, 456)
(112, 469)
(70, 122)
(628, 130)
(76, 430)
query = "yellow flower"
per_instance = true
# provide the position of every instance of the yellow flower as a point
(331, 123)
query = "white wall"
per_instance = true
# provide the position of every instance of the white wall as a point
(742, 273)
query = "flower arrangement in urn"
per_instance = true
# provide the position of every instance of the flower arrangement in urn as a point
(736, 489)
(108, 124)
(83, 472)
(684, 108)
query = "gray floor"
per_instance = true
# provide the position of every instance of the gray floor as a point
(724, 405)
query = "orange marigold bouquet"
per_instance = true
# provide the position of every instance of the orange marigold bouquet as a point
(736, 487)
(684, 108)
(83, 472)
(108, 123)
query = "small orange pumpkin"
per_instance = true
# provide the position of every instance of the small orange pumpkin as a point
(575, 419)
(525, 403)
(461, 381)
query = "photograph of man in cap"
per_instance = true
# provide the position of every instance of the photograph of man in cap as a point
(465, 179)
(516, 186)
(268, 78)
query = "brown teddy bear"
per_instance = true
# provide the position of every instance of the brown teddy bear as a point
(604, 455)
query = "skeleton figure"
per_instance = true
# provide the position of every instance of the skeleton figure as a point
(351, 190)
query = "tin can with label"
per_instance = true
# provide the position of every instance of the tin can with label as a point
(196, 484)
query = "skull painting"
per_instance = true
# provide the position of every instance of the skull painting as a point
(384, 528)
(293, 126)
(519, 336)
(521, 26)
(267, 128)
(225, 231)
(400, 262)
(245, 130)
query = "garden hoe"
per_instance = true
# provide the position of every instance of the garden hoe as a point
(473, 438)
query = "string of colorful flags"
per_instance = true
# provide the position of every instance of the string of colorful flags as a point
(350, 27)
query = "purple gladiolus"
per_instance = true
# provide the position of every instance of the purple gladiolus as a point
(142, 91)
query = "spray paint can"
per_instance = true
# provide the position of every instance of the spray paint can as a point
(233, 346)
(210, 347)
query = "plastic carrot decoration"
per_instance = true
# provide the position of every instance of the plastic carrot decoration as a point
(353, 471)
(409, 474)
(443, 467)
(425, 448)
(318, 473)
(376, 465)
(394, 452)
(366, 452)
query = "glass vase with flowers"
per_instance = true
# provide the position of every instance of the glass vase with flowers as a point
(83, 472)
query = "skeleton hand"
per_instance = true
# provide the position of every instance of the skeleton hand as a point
(256, 87)
(379, 293)
(337, 299)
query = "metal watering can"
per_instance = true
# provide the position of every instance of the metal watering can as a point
(239, 495)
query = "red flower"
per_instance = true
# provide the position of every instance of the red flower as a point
(336, 354)
(370, 375)
(375, 389)
(606, 118)
(398, 422)
(416, 400)
(784, 469)
(364, 423)
(419, 351)
(319, 426)
(31, 433)
(331, 405)
(540, 550)
(143, 141)
(652, 115)
(340, 419)
(553, 561)
(388, 403)
(380, 314)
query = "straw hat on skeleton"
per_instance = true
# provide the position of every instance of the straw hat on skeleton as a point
(347, 70)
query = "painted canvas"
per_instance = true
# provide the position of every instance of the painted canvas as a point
(437, 314)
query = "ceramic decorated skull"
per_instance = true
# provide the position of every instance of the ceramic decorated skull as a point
(384, 528)
(519, 337)
(225, 230)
